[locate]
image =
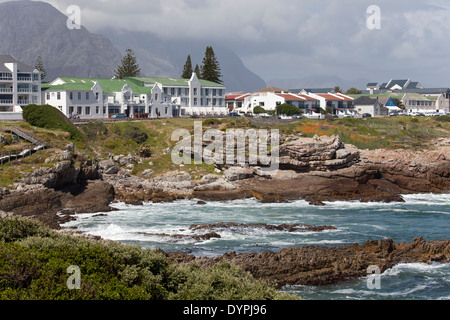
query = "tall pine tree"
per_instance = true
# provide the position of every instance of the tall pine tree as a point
(128, 67)
(40, 66)
(187, 70)
(198, 71)
(210, 67)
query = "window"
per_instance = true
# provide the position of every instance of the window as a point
(186, 91)
(195, 91)
(70, 110)
(79, 95)
(220, 92)
(206, 92)
(97, 109)
(80, 110)
(96, 95)
(165, 90)
(104, 110)
(166, 110)
(172, 91)
(71, 95)
(156, 97)
(179, 91)
(88, 110)
(195, 101)
(48, 95)
(87, 95)
(214, 92)
(58, 95)
(214, 101)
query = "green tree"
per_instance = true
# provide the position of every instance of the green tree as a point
(353, 91)
(187, 70)
(210, 67)
(40, 66)
(128, 67)
(287, 109)
(337, 89)
(398, 102)
(259, 110)
(198, 71)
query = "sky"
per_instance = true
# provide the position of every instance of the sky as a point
(292, 39)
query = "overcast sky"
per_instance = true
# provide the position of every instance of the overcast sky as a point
(288, 39)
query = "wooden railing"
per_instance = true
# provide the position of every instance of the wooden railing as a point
(10, 155)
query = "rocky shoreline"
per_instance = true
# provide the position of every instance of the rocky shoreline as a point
(312, 265)
(313, 169)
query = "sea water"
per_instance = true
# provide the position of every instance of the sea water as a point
(423, 215)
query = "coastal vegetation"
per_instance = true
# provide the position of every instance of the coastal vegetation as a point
(149, 141)
(34, 261)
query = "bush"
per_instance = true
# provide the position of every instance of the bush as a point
(445, 118)
(287, 109)
(49, 117)
(211, 122)
(259, 110)
(34, 262)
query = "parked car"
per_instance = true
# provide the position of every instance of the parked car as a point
(234, 114)
(366, 115)
(297, 116)
(118, 116)
(284, 117)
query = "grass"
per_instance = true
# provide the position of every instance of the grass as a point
(375, 133)
(34, 262)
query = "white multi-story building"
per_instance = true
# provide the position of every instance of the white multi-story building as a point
(20, 85)
(136, 97)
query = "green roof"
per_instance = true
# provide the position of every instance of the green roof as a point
(114, 85)
(86, 84)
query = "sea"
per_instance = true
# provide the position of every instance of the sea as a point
(421, 215)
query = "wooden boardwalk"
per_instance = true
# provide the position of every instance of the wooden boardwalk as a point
(8, 156)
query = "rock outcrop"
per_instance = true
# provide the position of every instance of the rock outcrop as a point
(317, 154)
(312, 265)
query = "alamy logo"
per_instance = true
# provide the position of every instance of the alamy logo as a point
(74, 281)
(374, 278)
(74, 18)
(235, 147)
(374, 17)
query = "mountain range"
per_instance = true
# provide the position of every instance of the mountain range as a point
(29, 29)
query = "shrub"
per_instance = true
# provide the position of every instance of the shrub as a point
(445, 118)
(259, 110)
(34, 262)
(211, 122)
(136, 134)
(49, 117)
(287, 109)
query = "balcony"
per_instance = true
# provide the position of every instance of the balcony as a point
(24, 79)
(6, 102)
(6, 90)
(24, 102)
(24, 90)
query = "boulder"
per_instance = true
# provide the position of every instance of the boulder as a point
(108, 167)
(238, 173)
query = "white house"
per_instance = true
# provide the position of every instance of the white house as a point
(415, 102)
(135, 97)
(341, 105)
(20, 85)
(374, 107)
